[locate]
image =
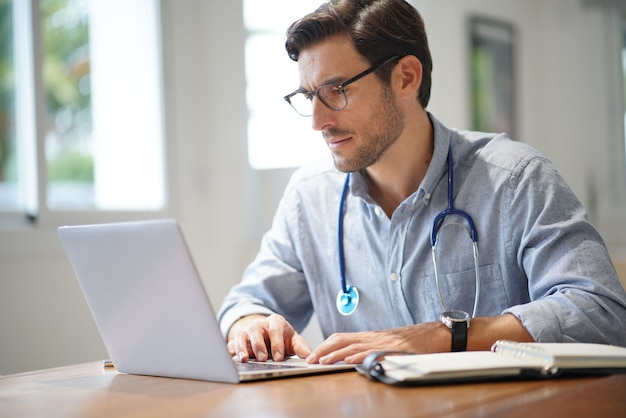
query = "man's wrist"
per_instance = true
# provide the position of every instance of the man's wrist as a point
(458, 323)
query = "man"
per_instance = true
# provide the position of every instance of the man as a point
(359, 255)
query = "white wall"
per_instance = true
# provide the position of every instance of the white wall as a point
(567, 109)
(568, 103)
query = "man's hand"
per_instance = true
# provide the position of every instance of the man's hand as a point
(263, 337)
(428, 337)
(353, 347)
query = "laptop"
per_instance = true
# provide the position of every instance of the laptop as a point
(151, 309)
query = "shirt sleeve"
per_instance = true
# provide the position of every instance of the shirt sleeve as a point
(274, 282)
(575, 293)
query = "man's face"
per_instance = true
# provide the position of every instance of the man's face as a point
(358, 135)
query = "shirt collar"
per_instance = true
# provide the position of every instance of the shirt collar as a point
(438, 164)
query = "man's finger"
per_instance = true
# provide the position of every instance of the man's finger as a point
(300, 346)
(258, 344)
(278, 328)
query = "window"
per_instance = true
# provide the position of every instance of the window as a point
(80, 106)
(8, 145)
(66, 79)
(623, 32)
(277, 136)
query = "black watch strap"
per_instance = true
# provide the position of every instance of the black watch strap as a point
(458, 322)
(459, 336)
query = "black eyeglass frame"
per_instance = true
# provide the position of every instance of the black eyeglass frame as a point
(340, 88)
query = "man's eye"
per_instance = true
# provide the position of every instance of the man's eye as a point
(336, 91)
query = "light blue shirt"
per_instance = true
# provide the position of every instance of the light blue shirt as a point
(540, 258)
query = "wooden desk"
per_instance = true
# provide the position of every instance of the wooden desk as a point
(88, 390)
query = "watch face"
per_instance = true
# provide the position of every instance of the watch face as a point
(450, 317)
(457, 315)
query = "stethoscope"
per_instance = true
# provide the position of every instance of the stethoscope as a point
(348, 296)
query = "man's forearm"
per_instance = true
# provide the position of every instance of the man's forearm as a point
(485, 331)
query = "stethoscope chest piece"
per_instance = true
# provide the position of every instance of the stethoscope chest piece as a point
(347, 301)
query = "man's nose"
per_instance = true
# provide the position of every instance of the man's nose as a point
(321, 115)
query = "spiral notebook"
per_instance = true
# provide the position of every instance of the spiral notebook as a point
(506, 359)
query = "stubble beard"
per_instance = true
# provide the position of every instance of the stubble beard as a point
(384, 127)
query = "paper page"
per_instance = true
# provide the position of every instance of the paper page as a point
(441, 366)
(565, 355)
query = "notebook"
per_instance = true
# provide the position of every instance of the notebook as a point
(506, 359)
(151, 309)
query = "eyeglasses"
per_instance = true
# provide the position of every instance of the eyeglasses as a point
(332, 95)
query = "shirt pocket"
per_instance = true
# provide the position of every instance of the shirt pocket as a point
(458, 291)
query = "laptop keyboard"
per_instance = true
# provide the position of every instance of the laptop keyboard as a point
(252, 366)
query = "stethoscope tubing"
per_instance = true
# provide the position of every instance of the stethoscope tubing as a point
(437, 225)
(342, 260)
(348, 297)
(451, 210)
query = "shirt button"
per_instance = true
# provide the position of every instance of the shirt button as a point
(377, 211)
(394, 277)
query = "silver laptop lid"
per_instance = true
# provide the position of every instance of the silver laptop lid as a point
(147, 300)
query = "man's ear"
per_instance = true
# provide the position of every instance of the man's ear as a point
(408, 76)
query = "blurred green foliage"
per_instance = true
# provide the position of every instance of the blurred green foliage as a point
(65, 29)
(65, 72)
(73, 166)
(7, 116)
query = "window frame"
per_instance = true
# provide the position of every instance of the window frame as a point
(31, 120)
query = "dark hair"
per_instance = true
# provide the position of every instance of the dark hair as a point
(379, 29)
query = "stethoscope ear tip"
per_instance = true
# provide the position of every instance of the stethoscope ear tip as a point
(347, 301)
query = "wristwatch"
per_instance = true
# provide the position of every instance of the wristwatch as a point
(458, 322)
